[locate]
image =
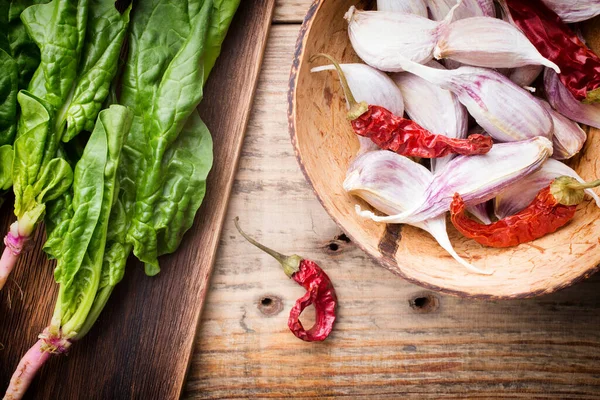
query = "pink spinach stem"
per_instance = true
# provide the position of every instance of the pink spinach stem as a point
(14, 242)
(32, 361)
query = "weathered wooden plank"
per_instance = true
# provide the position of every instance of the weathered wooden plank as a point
(384, 345)
(141, 346)
(290, 11)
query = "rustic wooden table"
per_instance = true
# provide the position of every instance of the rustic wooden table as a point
(393, 339)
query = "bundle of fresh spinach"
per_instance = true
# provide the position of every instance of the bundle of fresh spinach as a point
(131, 192)
(81, 270)
(64, 97)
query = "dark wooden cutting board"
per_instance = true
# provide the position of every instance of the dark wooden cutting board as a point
(141, 345)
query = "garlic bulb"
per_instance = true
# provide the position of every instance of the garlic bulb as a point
(379, 37)
(568, 137)
(571, 11)
(488, 42)
(439, 9)
(416, 7)
(519, 195)
(506, 111)
(476, 178)
(434, 108)
(392, 184)
(374, 87)
(561, 99)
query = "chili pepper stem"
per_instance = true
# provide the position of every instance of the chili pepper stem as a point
(356, 109)
(584, 185)
(290, 264)
(568, 191)
(593, 96)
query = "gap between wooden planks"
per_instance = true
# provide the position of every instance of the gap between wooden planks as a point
(381, 347)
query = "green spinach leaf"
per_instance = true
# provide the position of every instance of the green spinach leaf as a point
(80, 260)
(16, 41)
(58, 28)
(38, 176)
(163, 81)
(187, 164)
(106, 30)
(8, 98)
(58, 216)
(223, 12)
(6, 158)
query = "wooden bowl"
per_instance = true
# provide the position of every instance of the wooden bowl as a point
(325, 145)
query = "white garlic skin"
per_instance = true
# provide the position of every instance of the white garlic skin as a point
(417, 7)
(469, 8)
(488, 42)
(563, 101)
(568, 138)
(571, 11)
(378, 37)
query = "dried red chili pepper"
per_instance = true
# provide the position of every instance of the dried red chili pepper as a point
(320, 292)
(408, 138)
(551, 209)
(401, 135)
(579, 66)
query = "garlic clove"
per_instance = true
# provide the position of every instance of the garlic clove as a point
(416, 7)
(365, 145)
(476, 178)
(571, 11)
(372, 86)
(488, 42)
(506, 111)
(437, 228)
(519, 195)
(379, 37)
(388, 181)
(480, 212)
(434, 108)
(439, 9)
(568, 137)
(561, 99)
(392, 183)
(525, 75)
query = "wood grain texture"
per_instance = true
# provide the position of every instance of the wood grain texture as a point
(141, 345)
(381, 347)
(326, 146)
(290, 11)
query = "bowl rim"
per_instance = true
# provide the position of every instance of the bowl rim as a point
(386, 261)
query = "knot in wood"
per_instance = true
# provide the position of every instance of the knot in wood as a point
(337, 244)
(270, 305)
(424, 302)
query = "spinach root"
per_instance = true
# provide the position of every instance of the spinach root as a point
(26, 370)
